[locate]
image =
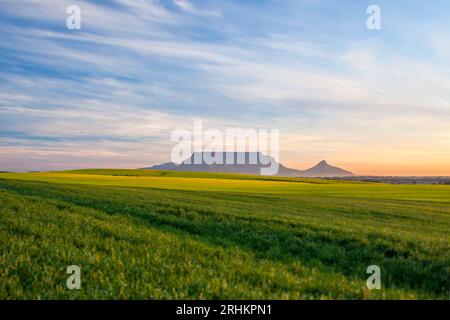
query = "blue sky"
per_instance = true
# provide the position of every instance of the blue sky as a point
(110, 94)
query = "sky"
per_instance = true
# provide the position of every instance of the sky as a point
(109, 95)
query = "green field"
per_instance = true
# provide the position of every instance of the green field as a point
(141, 234)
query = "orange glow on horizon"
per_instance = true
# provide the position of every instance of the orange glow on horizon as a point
(379, 170)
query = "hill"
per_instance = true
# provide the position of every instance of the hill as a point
(323, 169)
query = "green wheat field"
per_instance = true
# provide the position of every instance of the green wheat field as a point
(142, 234)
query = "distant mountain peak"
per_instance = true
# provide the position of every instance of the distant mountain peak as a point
(323, 169)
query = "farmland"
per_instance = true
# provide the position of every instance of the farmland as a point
(141, 234)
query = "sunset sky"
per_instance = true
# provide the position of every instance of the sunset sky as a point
(110, 95)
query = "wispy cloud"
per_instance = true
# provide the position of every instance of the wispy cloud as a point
(189, 7)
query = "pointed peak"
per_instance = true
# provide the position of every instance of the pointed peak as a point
(323, 162)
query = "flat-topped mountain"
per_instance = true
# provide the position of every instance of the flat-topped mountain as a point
(247, 163)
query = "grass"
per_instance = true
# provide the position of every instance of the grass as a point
(146, 234)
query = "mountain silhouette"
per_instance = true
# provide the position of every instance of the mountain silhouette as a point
(323, 169)
(246, 163)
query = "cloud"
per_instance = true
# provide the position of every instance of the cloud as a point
(188, 7)
(136, 16)
(139, 69)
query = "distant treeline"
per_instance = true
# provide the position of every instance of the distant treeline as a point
(397, 180)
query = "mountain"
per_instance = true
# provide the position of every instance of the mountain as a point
(247, 163)
(323, 169)
(164, 166)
